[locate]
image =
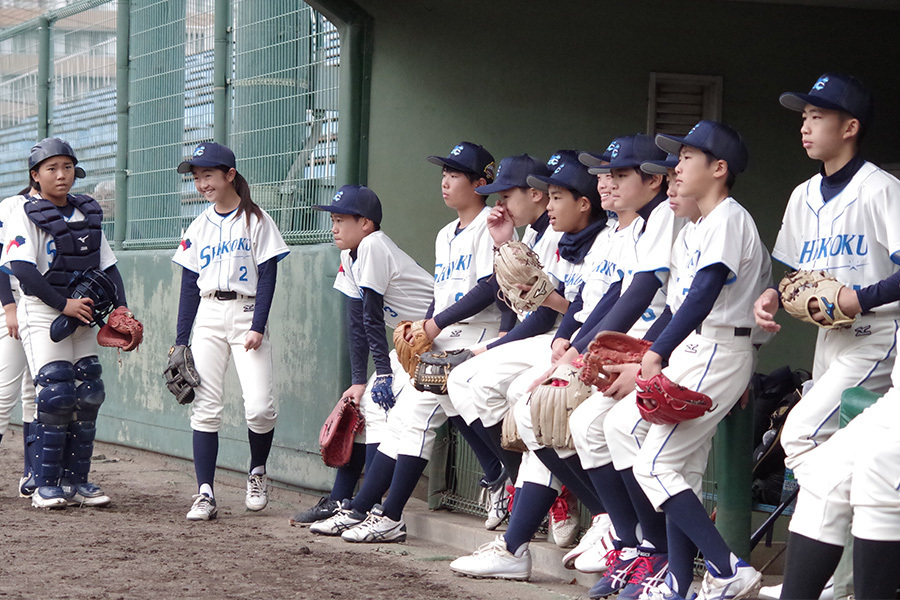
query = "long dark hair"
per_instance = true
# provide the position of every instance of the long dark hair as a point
(247, 206)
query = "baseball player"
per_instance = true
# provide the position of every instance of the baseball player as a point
(54, 241)
(576, 209)
(383, 286)
(463, 266)
(840, 221)
(229, 256)
(15, 380)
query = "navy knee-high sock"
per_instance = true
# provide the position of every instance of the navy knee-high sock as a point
(653, 524)
(611, 488)
(347, 476)
(206, 449)
(681, 557)
(406, 475)
(491, 435)
(873, 569)
(530, 507)
(688, 514)
(26, 455)
(488, 460)
(808, 565)
(260, 446)
(371, 451)
(564, 472)
(376, 484)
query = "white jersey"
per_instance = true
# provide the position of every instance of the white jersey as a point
(854, 236)
(460, 260)
(546, 247)
(225, 252)
(29, 243)
(608, 265)
(7, 207)
(727, 235)
(574, 275)
(383, 267)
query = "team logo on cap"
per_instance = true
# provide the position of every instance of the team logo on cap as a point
(489, 170)
(554, 160)
(337, 197)
(820, 84)
(457, 150)
(613, 149)
(694, 128)
(559, 168)
(499, 167)
(200, 150)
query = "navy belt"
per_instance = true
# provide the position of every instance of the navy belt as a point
(220, 295)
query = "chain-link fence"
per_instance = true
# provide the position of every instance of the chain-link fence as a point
(280, 109)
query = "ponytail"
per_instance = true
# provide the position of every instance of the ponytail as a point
(247, 206)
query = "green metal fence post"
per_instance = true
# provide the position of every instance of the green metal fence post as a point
(222, 61)
(733, 450)
(123, 22)
(43, 78)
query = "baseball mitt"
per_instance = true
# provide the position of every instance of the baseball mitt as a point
(434, 368)
(798, 288)
(181, 375)
(408, 352)
(509, 434)
(516, 263)
(551, 404)
(96, 285)
(339, 431)
(610, 348)
(122, 330)
(663, 402)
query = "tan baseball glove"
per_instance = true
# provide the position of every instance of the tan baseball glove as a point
(408, 352)
(800, 287)
(551, 404)
(516, 263)
(509, 434)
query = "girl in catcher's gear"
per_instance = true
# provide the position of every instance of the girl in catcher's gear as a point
(55, 245)
(229, 256)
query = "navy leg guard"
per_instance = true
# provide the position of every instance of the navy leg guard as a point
(80, 443)
(49, 446)
(55, 404)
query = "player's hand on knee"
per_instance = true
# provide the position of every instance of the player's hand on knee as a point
(623, 382)
(252, 340)
(651, 364)
(79, 308)
(355, 392)
(558, 347)
(764, 310)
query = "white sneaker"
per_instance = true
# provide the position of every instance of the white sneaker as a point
(564, 519)
(665, 591)
(257, 492)
(601, 527)
(497, 507)
(773, 592)
(84, 494)
(494, 561)
(745, 582)
(343, 519)
(376, 528)
(203, 509)
(48, 496)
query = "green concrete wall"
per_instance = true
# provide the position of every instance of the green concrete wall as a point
(536, 76)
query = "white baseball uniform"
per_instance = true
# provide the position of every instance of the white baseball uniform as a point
(226, 252)
(717, 361)
(406, 287)
(854, 238)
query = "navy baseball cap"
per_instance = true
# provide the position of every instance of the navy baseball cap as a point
(468, 158)
(660, 167)
(209, 154)
(50, 147)
(628, 152)
(513, 172)
(834, 91)
(571, 175)
(592, 159)
(718, 139)
(559, 157)
(354, 200)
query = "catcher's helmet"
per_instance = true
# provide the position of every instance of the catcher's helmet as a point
(50, 147)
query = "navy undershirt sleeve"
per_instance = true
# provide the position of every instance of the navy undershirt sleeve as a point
(31, 282)
(187, 306)
(6, 295)
(539, 321)
(475, 301)
(701, 297)
(359, 348)
(658, 325)
(508, 317)
(609, 299)
(116, 277)
(265, 292)
(884, 292)
(627, 309)
(569, 323)
(430, 312)
(373, 320)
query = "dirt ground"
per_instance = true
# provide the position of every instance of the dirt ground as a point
(143, 547)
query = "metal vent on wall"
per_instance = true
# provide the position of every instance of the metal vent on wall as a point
(678, 101)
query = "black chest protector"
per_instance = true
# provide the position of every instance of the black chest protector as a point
(77, 243)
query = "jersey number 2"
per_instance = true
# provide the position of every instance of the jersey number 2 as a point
(243, 271)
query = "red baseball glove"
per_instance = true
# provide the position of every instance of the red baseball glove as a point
(122, 330)
(339, 431)
(610, 348)
(663, 402)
